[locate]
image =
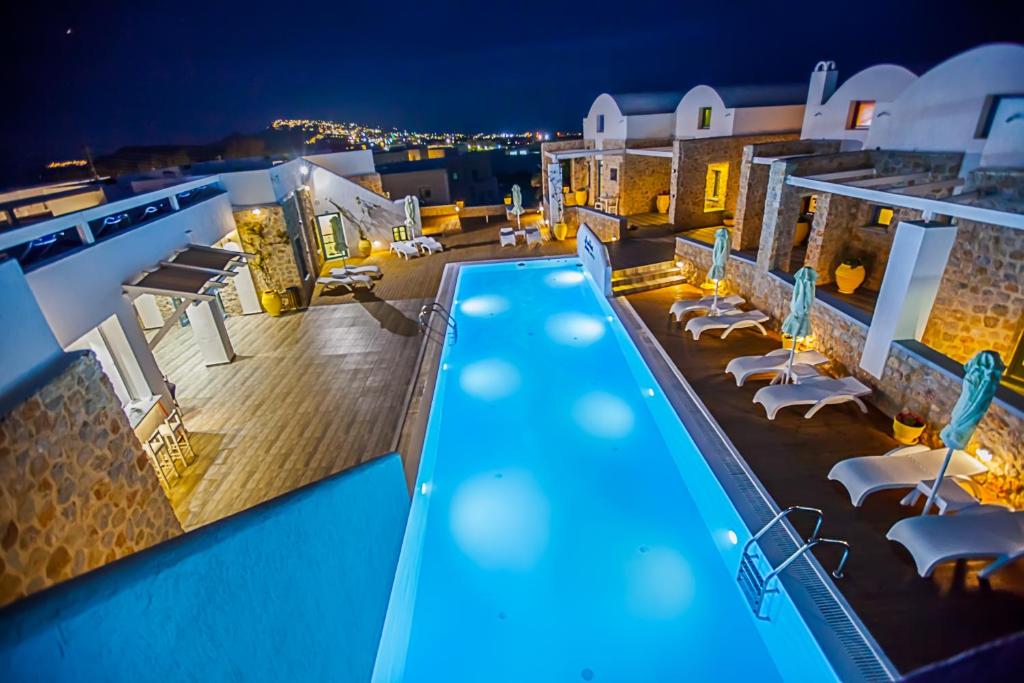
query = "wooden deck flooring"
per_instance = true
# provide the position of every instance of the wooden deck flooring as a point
(310, 393)
(915, 620)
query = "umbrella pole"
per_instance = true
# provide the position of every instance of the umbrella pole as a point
(714, 302)
(938, 482)
(789, 366)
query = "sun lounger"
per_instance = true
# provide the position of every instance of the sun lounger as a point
(533, 237)
(980, 532)
(407, 250)
(725, 303)
(348, 271)
(900, 468)
(429, 243)
(352, 282)
(729, 321)
(774, 362)
(816, 393)
(507, 237)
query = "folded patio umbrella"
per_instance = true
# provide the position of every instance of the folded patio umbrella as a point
(981, 379)
(798, 323)
(517, 204)
(719, 258)
(410, 216)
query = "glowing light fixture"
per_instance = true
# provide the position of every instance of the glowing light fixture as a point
(304, 170)
(984, 455)
(731, 535)
(256, 212)
(564, 278)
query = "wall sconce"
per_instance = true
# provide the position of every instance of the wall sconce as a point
(256, 212)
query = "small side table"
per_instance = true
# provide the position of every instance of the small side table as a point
(951, 497)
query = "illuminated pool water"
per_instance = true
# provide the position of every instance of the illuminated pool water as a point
(564, 527)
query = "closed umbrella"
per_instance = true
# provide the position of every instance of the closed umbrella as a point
(517, 205)
(798, 323)
(719, 257)
(410, 216)
(981, 379)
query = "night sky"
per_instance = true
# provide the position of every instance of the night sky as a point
(192, 72)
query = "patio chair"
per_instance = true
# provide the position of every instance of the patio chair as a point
(431, 245)
(978, 532)
(406, 250)
(725, 303)
(507, 237)
(816, 393)
(728, 321)
(373, 272)
(533, 237)
(775, 361)
(351, 282)
(900, 468)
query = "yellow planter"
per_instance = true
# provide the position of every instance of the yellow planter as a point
(570, 199)
(849, 279)
(581, 197)
(561, 230)
(803, 229)
(271, 301)
(365, 247)
(663, 201)
(906, 434)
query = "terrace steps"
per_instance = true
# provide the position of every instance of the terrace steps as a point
(645, 277)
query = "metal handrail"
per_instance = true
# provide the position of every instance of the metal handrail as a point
(424, 318)
(784, 513)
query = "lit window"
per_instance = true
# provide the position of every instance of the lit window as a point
(331, 236)
(715, 186)
(704, 118)
(882, 216)
(812, 203)
(400, 233)
(600, 123)
(862, 114)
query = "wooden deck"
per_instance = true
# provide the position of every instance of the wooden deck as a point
(310, 393)
(915, 620)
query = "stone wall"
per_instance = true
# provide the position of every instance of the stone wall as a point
(266, 235)
(908, 381)
(76, 488)
(690, 161)
(371, 181)
(643, 179)
(551, 147)
(607, 227)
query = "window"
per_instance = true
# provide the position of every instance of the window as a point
(455, 176)
(704, 118)
(600, 123)
(861, 114)
(715, 186)
(331, 236)
(400, 233)
(882, 216)
(613, 174)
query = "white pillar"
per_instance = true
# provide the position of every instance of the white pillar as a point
(209, 332)
(149, 312)
(244, 285)
(144, 370)
(917, 261)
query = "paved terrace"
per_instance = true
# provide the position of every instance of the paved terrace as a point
(915, 620)
(313, 392)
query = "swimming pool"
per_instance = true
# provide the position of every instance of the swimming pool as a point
(564, 526)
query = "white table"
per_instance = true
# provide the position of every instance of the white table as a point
(951, 496)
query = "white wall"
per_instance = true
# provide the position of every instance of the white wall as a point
(27, 344)
(688, 111)
(614, 121)
(828, 120)
(941, 110)
(398, 185)
(650, 126)
(760, 120)
(384, 215)
(358, 162)
(1005, 144)
(246, 188)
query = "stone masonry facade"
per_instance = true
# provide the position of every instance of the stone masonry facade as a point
(266, 235)
(643, 179)
(76, 488)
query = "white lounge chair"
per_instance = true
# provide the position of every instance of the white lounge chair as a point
(407, 250)
(816, 393)
(533, 237)
(507, 237)
(352, 282)
(430, 244)
(900, 468)
(775, 362)
(978, 532)
(728, 321)
(373, 272)
(725, 303)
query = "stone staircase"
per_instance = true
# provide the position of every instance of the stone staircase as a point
(643, 278)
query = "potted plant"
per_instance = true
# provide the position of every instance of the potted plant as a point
(803, 229)
(260, 238)
(561, 230)
(850, 274)
(365, 246)
(581, 197)
(907, 427)
(728, 219)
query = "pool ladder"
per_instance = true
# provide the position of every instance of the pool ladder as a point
(425, 314)
(757, 586)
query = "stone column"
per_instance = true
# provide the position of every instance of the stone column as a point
(149, 312)
(209, 332)
(834, 221)
(917, 261)
(781, 210)
(750, 202)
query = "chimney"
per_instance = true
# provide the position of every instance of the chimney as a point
(823, 83)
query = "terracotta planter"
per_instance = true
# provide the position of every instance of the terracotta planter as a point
(906, 434)
(849, 279)
(581, 197)
(803, 229)
(570, 199)
(365, 247)
(663, 201)
(561, 230)
(271, 301)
